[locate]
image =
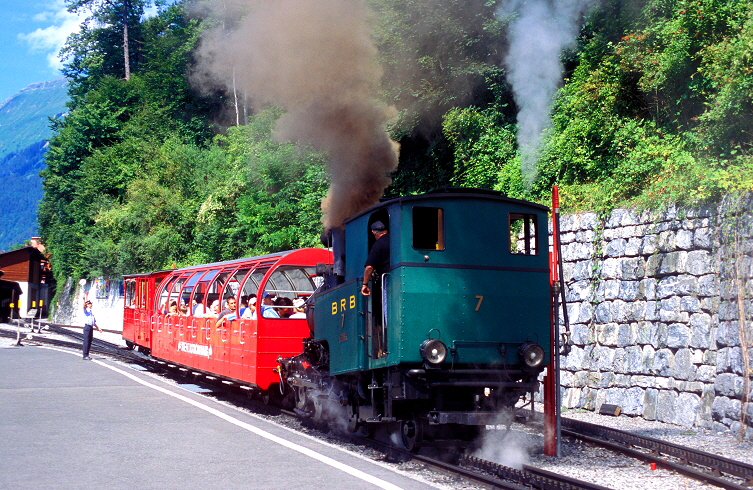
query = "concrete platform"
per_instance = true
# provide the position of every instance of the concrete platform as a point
(68, 423)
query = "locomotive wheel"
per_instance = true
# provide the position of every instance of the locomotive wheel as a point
(300, 398)
(411, 434)
(129, 344)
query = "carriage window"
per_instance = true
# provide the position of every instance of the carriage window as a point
(428, 228)
(163, 293)
(233, 286)
(141, 292)
(523, 230)
(130, 294)
(287, 284)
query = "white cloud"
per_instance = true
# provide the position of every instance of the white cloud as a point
(51, 39)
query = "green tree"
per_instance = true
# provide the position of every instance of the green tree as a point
(120, 14)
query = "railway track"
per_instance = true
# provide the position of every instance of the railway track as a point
(700, 465)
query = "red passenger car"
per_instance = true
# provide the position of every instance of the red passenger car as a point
(170, 314)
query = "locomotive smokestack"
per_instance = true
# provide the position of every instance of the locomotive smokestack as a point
(315, 58)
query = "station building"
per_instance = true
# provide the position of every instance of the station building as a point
(25, 281)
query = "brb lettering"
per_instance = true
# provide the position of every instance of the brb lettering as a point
(344, 304)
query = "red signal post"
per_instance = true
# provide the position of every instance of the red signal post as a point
(551, 380)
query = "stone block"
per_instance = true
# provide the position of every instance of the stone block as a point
(575, 360)
(616, 248)
(691, 304)
(632, 401)
(665, 406)
(687, 409)
(650, 400)
(566, 378)
(667, 287)
(579, 291)
(643, 381)
(581, 270)
(699, 263)
(628, 290)
(696, 356)
(707, 399)
(666, 241)
(646, 332)
(603, 313)
(670, 309)
(607, 334)
(647, 289)
(603, 359)
(647, 359)
(681, 367)
(633, 247)
(678, 335)
(719, 407)
(653, 309)
(571, 398)
(652, 265)
(580, 379)
(662, 362)
(618, 364)
(611, 289)
(627, 334)
(728, 384)
(588, 399)
(702, 238)
(622, 380)
(661, 332)
(736, 360)
(593, 379)
(585, 313)
(649, 245)
(633, 268)
(585, 236)
(687, 285)
(673, 263)
(622, 312)
(638, 311)
(684, 239)
(580, 334)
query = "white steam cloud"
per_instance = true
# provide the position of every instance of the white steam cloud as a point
(541, 30)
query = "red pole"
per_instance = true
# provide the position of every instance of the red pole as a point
(551, 380)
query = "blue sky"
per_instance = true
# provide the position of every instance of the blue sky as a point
(31, 35)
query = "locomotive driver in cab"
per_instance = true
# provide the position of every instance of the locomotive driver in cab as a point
(378, 260)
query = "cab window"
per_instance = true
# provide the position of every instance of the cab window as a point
(428, 228)
(523, 230)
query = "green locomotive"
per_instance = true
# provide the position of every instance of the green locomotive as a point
(456, 327)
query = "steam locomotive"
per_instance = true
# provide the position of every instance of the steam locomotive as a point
(456, 334)
(460, 332)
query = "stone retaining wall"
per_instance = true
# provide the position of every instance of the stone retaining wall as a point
(654, 301)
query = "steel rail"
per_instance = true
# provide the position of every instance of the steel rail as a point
(716, 465)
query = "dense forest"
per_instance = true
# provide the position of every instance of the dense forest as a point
(20, 199)
(214, 129)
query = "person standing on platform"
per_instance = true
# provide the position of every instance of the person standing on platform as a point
(90, 323)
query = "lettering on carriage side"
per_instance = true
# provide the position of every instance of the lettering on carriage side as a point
(197, 349)
(480, 299)
(344, 304)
